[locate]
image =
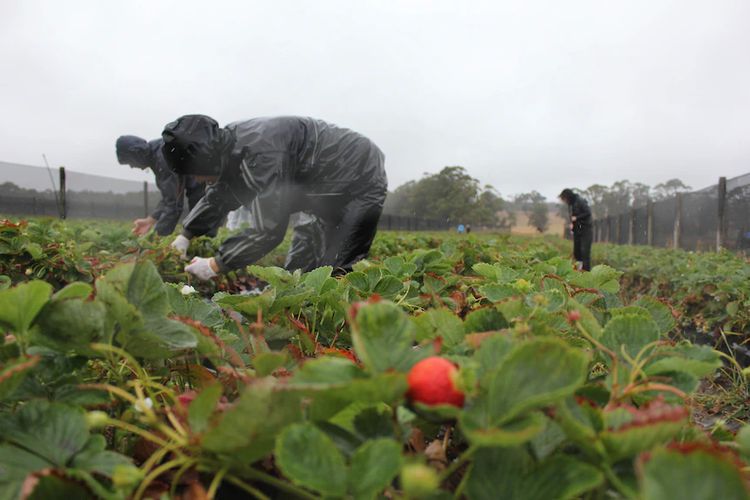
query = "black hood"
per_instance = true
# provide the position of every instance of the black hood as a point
(134, 151)
(196, 145)
(568, 196)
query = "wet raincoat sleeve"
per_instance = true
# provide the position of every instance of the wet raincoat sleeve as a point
(263, 174)
(169, 209)
(209, 211)
(194, 191)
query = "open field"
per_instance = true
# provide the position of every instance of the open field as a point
(522, 227)
(445, 366)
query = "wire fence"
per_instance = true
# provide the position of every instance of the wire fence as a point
(34, 191)
(712, 218)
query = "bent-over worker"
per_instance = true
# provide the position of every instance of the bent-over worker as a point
(138, 153)
(276, 167)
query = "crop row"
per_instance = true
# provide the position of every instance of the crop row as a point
(443, 367)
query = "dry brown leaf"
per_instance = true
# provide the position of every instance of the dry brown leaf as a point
(435, 453)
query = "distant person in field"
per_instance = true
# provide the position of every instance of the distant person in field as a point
(580, 226)
(138, 153)
(277, 167)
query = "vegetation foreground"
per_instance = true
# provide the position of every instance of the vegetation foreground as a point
(444, 367)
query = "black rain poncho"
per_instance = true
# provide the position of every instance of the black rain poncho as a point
(132, 150)
(582, 228)
(279, 166)
(579, 209)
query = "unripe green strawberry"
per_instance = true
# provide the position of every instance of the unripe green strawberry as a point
(433, 381)
(126, 476)
(96, 419)
(418, 480)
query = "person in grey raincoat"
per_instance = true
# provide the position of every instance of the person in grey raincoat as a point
(138, 153)
(276, 167)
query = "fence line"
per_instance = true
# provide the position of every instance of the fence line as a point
(127, 206)
(712, 218)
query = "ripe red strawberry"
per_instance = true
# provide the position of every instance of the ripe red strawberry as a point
(432, 382)
(186, 398)
(574, 316)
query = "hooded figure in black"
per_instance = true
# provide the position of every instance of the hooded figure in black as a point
(580, 226)
(138, 153)
(276, 167)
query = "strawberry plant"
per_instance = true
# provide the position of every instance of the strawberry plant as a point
(441, 367)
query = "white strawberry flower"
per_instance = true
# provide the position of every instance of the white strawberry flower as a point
(140, 405)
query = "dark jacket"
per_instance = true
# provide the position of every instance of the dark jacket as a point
(579, 209)
(137, 152)
(282, 165)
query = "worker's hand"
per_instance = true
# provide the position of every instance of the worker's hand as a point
(571, 226)
(203, 268)
(142, 226)
(181, 244)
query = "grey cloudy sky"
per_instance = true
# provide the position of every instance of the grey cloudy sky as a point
(524, 94)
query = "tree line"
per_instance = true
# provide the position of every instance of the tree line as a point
(622, 195)
(455, 196)
(451, 195)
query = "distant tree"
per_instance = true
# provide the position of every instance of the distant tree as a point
(400, 201)
(596, 195)
(534, 205)
(669, 189)
(639, 194)
(488, 208)
(451, 194)
(11, 189)
(508, 219)
(618, 198)
(539, 217)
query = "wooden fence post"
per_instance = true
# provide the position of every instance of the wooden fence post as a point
(63, 209)
(677, 222)
(649, 222)
(145, 198)
(721, 227)
(618, 228)
(631, 227)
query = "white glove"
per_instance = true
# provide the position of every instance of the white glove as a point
(181, 244)
(201, 268)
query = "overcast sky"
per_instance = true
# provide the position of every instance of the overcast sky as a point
(524, 94)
